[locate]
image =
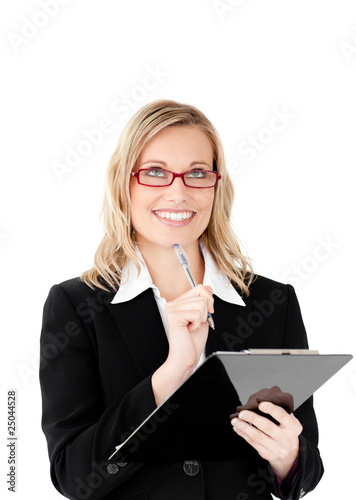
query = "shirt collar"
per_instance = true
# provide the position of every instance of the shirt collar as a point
(134, 284)
(218, 281)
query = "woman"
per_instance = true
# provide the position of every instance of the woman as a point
(117, 341)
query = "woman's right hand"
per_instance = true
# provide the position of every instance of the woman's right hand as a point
(187, 325)
(187, 335)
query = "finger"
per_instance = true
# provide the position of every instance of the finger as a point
(188, 304)
(187, 314)
(210, 297)
(263, 424)
(187, 300)
(202, 291)
(286, 420)
(209, 289)
(196, 291)
(262, 443)
(184, 317)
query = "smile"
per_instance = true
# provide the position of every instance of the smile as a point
(174, 216)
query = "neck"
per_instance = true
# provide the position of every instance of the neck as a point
(165, 270)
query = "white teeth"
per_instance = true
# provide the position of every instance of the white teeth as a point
(176, 216)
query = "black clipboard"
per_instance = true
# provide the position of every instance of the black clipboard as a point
(194, 420)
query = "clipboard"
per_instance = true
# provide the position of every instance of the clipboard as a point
(194, 421)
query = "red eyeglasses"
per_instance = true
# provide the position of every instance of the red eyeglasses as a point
(158, 177)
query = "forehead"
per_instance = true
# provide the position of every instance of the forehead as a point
(178, 144)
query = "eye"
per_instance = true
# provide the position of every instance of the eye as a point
(197, 174)
(155, 172)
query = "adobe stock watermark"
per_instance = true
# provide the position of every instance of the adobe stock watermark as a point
(302, 271)
(349, 49)
(259, 481)
(234, 167)
(223, 7)
(121, 108)
(149, 427)
(253, 145)
(261, 311)
(30, 28)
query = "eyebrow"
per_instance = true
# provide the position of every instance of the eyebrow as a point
(165, 164)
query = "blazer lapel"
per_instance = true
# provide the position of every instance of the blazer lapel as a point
(140, 325)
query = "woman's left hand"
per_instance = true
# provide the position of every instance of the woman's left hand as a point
(278, 444)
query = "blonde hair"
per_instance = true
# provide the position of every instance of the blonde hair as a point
(118, 244)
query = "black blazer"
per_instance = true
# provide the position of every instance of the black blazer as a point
(96, 364)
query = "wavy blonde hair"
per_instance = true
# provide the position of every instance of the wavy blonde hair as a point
(118, 243)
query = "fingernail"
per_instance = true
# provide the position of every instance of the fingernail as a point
(233, 421)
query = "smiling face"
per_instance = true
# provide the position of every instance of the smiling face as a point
(172, 214)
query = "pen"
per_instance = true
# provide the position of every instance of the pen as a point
(184, 262)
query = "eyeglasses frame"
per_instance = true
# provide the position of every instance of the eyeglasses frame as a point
(217, 176)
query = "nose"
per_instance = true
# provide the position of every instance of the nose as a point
(177, 191)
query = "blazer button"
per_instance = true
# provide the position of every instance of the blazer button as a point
(191, 467)
(112, 468)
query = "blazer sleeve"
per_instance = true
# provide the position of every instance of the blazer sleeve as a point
(311, 465)
(79, 429)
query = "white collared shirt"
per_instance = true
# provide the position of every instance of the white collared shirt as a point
(137, 284)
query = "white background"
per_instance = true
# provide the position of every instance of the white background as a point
(294, 209)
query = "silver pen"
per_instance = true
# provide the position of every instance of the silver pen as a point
(184, 262)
